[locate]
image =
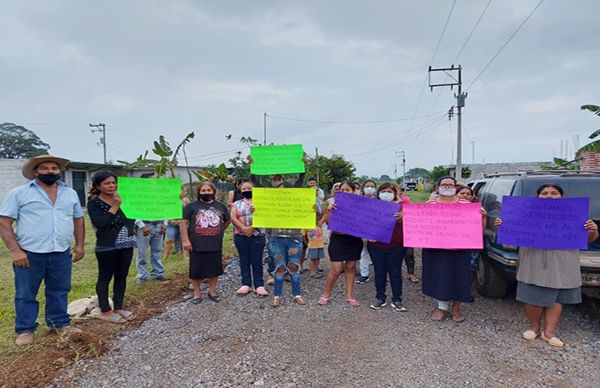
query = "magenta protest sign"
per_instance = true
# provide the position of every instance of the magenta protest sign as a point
(363, 217)
(442, 225)
(544, 223)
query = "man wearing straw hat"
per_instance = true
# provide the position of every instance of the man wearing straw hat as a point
(47, 214)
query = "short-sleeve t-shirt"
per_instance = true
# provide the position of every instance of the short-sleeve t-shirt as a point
(206, 222)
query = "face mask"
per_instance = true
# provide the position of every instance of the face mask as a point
(276, 183)
(207, 197)
(370, 190)
(447, 191)
(389, 197)
(49, 179)
(247, 194)
(357, 192)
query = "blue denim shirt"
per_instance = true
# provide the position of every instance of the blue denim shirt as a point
(42, 226)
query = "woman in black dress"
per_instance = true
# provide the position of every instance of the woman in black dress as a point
(446, 272)
(202, 227)
(344, 251)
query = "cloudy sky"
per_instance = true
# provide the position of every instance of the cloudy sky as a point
(357, 68)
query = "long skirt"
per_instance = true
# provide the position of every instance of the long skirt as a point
(447, 275)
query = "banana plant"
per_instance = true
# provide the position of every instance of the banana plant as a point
(595, 145)
(167, 157)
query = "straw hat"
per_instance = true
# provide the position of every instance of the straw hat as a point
(32, 163)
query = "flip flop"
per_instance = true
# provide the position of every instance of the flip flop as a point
(530, 335)
(113, 318)
(298, 299)
(353, 302)
(276, 301)
(413, 279)
(323, 300)
(439, 315)
(127, 315)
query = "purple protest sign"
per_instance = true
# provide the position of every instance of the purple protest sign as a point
(544, 223)
(363, 217)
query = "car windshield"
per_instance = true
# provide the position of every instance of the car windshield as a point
(573, 187)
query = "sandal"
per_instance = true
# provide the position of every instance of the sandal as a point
(353, 302)
(412, 278)
(276, 301)
(316, 275)
(530, 335)
(196, 300)
(554, 341)
(298, 299)
(127, 315)
(323, 300)
(244, 290)
(439, 315)
(113, 318)
(261, 291)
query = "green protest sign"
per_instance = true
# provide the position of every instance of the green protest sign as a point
(150, 199)
(283, 159)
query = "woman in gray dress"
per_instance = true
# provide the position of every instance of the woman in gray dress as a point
(549, 278)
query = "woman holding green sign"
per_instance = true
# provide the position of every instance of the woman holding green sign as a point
(249, 242)
(115, 240)
(202, 227)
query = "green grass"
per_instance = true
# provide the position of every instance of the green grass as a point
(418, 196)
(83, 284)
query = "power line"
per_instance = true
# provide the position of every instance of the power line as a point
(472, 31)
(435, 51)
(505, 44)
(408, 137)
(347, 122)
(386, 137)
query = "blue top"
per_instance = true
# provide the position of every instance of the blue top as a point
(42, 226)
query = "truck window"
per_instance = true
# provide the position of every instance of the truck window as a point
(494, 190)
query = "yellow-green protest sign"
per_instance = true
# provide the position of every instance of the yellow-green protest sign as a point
(281, 159)
(150, 199)
(284, 208)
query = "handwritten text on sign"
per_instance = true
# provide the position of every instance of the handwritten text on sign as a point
(284, 208)
(150, 199)
(544, 223)
(283, 159)
(368, 218)
(443, 226)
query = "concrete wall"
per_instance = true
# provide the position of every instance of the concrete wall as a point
(10, 175)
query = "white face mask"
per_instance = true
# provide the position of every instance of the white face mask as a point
(447, 191)
(389, 197)
(370, 190)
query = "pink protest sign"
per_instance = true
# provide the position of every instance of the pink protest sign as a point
(442, 225)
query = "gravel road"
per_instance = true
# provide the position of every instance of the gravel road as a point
(244, 342)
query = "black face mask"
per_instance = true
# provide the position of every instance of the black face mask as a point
(247, 194)
(207, 197)
(49, 179)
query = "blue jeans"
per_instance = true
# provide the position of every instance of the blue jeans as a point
(154, 240)
(251, 250)
(55, 270)
(387, 262)
(286, 253)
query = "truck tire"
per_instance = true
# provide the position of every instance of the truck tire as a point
(490, 282)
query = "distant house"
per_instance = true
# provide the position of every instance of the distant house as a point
(78, 175)
(478, 171)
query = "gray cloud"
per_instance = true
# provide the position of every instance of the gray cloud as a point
(167, 67)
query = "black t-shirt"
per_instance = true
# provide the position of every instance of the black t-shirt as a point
(206, 222)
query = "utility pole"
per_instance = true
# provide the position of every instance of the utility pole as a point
(102, 137)
(460, 103)
(265, 128)
(403, 154)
